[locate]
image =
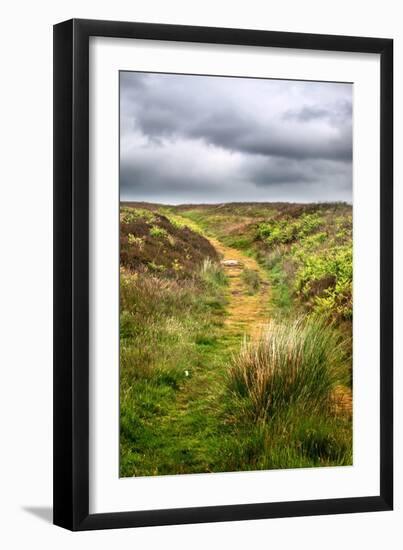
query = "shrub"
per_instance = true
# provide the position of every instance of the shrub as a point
(297, 364)
(336, 302)
(157, 232)
(130, 215)
(327, 278)
(156, 267)
(137, 241)
(287, 230)
(241, 242)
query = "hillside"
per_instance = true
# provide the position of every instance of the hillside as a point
(151, 242)
(306, 249)
(235, 337)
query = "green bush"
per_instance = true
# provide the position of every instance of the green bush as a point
(326, 279)
(287, 230)
(157, 232)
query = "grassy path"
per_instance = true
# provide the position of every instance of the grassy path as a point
(177, 413)
(197, 435)
(200, 423)
(247, 313)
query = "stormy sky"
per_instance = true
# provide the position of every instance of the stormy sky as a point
(205, 139)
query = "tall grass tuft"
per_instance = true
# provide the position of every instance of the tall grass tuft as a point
(251, 279)
(212, 273)
(293, 366)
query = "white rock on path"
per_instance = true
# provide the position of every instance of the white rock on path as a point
(230, 262)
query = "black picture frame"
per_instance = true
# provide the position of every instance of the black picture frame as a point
(71, 274)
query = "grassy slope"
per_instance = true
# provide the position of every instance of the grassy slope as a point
(178, 414)
(306, 249)
(172, 348)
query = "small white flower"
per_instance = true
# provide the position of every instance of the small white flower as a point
(186, 373)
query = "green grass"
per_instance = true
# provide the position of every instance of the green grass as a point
(299, 443)
(251, 279)
(169, 332)
(158, 232)
(195, 396)
(213, 274)
(306, 249)
(284, 386)
(281, 296)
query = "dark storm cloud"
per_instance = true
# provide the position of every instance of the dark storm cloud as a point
(190, 137)
(268, 171)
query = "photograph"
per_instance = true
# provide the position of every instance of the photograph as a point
(223, 274)
(236, 274)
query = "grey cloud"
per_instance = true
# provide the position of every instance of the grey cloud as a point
(192, 135)
(264, 172)
(307, 114)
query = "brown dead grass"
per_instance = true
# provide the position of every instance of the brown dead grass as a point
(343, 400)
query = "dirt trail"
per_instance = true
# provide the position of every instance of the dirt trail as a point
(247, 313)
(198, 423)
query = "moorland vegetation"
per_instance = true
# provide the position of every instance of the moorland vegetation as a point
(235, 337)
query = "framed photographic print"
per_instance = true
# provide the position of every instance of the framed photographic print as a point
(223, 274)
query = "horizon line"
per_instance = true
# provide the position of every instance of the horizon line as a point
(234, 202)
